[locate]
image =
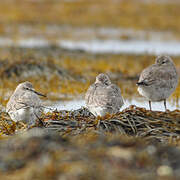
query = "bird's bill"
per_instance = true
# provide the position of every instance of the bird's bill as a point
(38, 93)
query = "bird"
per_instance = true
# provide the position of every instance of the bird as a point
(158, 81)
(25, 104)
(103, 97)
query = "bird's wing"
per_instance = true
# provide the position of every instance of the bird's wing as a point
(96, 95)
(89, 94)
(100, 95)
(149, 76)
(114, 96)
(157, 75)
(23, 100)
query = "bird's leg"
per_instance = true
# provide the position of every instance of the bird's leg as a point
(165, 105)
(150, 105)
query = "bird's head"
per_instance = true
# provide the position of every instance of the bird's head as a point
(163, 60)
(27, 86)
(103, 79)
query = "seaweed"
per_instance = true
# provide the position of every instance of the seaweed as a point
(163, 127)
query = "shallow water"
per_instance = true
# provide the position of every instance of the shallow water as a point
(128, 47)
(102, 46)
(77, 104)
(95, 40)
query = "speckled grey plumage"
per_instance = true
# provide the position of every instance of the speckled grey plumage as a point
(158, 81)
(103, 97)
(24, 104)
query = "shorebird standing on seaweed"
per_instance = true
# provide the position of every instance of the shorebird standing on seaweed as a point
(158, 81)
(25, 104)
(103, 97)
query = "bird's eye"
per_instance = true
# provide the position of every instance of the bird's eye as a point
(163, 62)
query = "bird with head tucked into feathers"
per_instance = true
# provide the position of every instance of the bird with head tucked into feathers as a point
(158, 81)
(103, 97)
